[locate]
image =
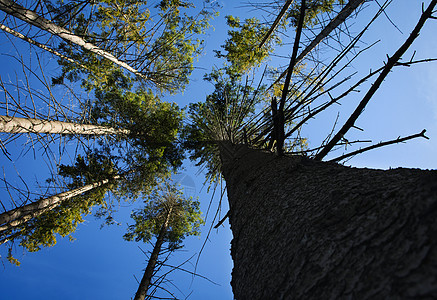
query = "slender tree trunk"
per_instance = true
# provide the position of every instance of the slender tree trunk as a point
(304, 229)
(20, 215)
(347, 10)
(148, 273)
(42, 46)
(34, 19)
(28, 125)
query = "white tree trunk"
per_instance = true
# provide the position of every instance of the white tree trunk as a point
(42, 46)
(34, 19)
(28, 125)
(20, 215)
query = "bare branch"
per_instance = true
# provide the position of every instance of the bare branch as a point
(340, 18)
(42, 46)
(276, 22)
(389, 65)
(381, 144)
(32, 18)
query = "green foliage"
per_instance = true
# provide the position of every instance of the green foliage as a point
(12, 259)
(159, 41)
(166, 202)
(242, 47)
(64, 219)
(224, 116)
(313, 9)
(151, 145)
(242, 51)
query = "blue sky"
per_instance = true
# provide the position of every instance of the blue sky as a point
(100, 265)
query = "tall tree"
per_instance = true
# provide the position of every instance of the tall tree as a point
(22, 214)
(304, 228)
(34, 19)
(169, 217)
(37, 223)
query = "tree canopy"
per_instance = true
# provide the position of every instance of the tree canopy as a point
(121, 65)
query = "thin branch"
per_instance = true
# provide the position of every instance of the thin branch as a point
(42, 46)
(222, 220)
(382, 144)
(278, 118)
(389, 65)
(340, 18)
(276, 22)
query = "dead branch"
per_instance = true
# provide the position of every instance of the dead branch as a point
(382, 144)
(389, 65)
(339, 19)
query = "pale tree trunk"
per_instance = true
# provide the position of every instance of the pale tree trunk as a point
(304, 229)
(22, 214)
(34, 19)
(148, 273)
(29, 125)
(42, 46)
(347, 10)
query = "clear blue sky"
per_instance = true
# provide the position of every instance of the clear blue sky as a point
(100, 265)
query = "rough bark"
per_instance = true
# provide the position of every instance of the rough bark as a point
(20, 215)
(29, 125)
(148, 273)
(34, 19)
(306, 229)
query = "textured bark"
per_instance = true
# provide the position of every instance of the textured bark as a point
(20, 215)
(28, 16)
(28, 125)
(316, 230)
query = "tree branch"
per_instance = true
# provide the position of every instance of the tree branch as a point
(222, 220)
(390, 64)
(340, 18)
(276, 22)
(382, 144)
(279, 129)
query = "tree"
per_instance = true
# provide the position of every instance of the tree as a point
(144, 139)
(304, 228)
(169, 217)
(36, 224)
(42, 46)
(139, 131)
(155, 43)
(32, 18)
(22, 214)
(29, 125)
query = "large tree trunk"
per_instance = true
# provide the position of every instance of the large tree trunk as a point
(22, 214)
(28, 16)
(28, 125)
(315, 230)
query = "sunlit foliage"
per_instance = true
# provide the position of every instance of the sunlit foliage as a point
(166, 201)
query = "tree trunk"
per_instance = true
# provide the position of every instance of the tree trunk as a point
(148, 273)
(304, 229)
(346, 11)
(34, 19)
(42, 46)
(20, 215)
(28, 125)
